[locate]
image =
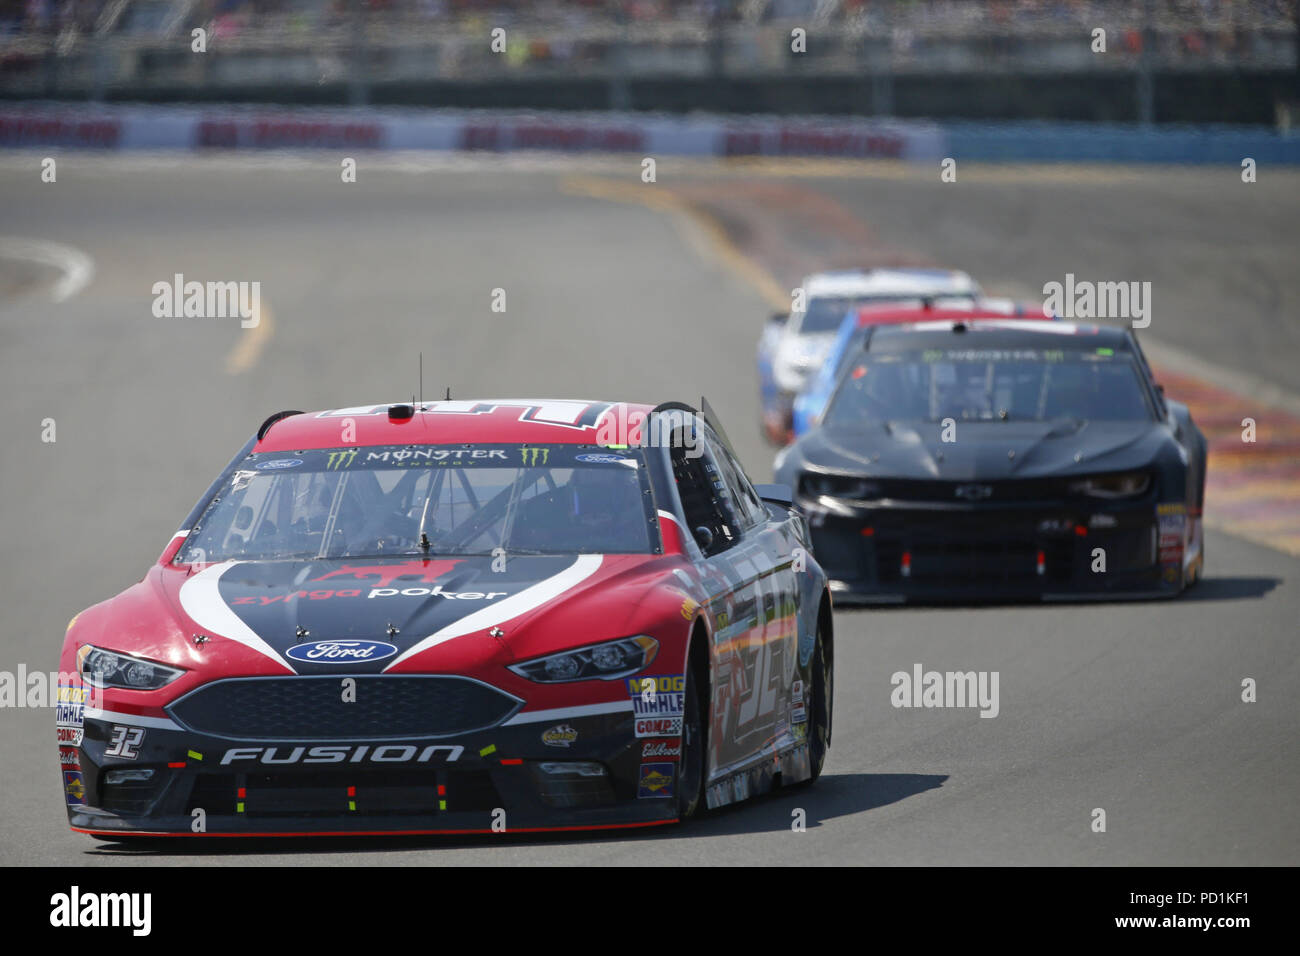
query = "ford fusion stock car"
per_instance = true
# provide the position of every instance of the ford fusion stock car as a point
(450, 617)
(977, 459)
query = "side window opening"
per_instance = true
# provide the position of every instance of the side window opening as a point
(1161, 408)
(749, 509)
(699, 485)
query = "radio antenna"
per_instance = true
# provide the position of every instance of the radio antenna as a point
(421, 379)
(449, 393)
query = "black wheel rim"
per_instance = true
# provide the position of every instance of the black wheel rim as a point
(819, 706)
(691, 769)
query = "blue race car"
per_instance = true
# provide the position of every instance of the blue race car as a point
(793, 346)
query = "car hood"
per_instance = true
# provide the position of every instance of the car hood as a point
(359, 616)
(982, 450)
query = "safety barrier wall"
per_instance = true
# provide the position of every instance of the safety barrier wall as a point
(39, 125)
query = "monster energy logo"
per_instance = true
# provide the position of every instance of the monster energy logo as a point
(534, 456)
(340, 459)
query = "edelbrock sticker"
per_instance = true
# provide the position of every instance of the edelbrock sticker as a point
(661, 749)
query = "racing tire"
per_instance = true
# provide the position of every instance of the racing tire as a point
(1197, 569)
(690, 769)
(820, 699)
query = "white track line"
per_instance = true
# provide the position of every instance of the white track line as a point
(77, 267)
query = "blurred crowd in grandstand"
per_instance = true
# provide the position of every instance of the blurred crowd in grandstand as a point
(102, 48)
(1204, 21)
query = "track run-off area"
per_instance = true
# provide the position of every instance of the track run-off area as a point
(619, 289)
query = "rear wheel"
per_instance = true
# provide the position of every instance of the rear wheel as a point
(819, 701)
(690, 768)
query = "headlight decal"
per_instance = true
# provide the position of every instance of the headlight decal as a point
(814, 484)
(103, 668)
(1129, 484)
(605, 661)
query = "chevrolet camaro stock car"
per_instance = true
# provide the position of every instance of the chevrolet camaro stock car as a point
(467, 616)
(999, 458)
(857, 326)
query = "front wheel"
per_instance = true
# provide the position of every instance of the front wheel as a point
(690, 770)
(1197, 568)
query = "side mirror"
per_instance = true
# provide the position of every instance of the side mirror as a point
(776, 494)
(779, 318)
(704, 538)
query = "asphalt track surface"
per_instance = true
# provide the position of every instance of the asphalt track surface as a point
(1134, 708)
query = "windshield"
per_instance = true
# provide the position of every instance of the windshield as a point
(422, 499)
(990, 385)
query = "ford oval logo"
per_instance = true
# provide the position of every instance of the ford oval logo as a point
(340, 652)
(277, 464)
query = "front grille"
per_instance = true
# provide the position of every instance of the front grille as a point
(1019, 491)
(571, 791)
(132, 797)
(969, 562)
(313, 708)
(963, 550)
(371, 793)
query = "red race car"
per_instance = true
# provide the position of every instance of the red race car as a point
(455, 616)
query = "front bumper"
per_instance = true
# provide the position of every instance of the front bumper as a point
(898, 552)
(505, 779)
(777, 412)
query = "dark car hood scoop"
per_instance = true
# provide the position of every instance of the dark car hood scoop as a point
(363, 615)
(983, 450)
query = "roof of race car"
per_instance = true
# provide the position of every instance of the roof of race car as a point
(997, 333)
(863, 282)
(530, 421)
(947, 311)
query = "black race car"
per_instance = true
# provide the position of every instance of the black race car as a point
(1001, 459)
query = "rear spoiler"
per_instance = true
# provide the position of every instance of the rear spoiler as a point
(776, 494)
